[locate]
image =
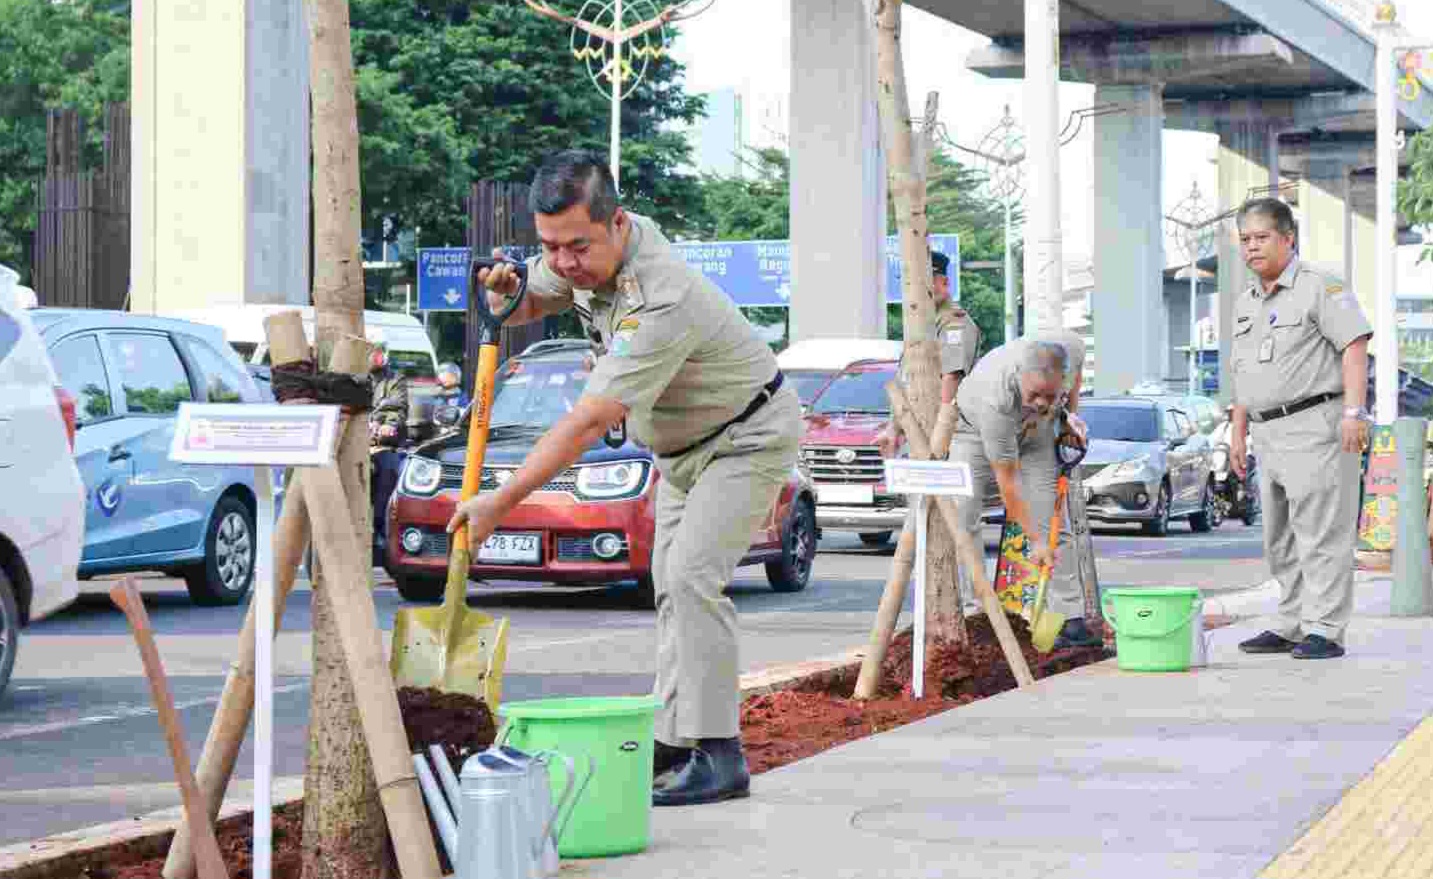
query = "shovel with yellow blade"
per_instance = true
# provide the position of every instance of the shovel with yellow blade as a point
(1045, 625)
(449, 647)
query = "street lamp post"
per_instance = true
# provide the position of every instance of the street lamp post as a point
(1386, 106)
(1191, 225)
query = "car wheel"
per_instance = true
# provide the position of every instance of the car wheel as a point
(1204, 521)
(420, 590)
(644, 595)
(9, 630)
(877, 538)
(1159, 526)
(798, 550)
(227, 572)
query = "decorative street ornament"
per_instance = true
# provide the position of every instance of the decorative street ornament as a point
(608, 46)
(1193, 226)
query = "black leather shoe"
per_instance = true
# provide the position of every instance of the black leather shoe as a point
(1268, 642)
(1317, 647)
(666, 758)
(1076, 634)
(716, 771)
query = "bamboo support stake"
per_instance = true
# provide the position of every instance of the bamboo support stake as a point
(340, 552)
(920, 447)
(287, 344)
(893, 597)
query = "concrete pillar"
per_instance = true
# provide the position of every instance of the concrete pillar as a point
(1131, 328)
(1321, 225)
(1364, 280)
(838, 177)
(1244, 151)
(220, 145)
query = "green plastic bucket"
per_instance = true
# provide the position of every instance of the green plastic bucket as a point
(612, 736)
(1152, 626)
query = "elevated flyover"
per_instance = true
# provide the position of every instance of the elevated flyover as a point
(1285, 84)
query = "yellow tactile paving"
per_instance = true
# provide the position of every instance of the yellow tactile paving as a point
(1382, 829)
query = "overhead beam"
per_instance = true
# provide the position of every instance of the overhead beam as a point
(1332, 111)
(1114, 59)
(1320, 33)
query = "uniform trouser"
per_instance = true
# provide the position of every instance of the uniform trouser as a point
(709, 505)
(1309, 491)
(1038, 471)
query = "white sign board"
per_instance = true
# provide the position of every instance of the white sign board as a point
(948, 478)
(242, 433)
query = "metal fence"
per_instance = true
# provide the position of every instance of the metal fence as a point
(82, 237)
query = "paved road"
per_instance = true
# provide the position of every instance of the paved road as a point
(79, 744)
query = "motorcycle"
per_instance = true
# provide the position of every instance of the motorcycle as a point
(1234, 498)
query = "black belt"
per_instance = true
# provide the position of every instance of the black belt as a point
(1292, 408)
(767, 392)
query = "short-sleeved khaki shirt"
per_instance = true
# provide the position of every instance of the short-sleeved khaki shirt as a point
(1288, 345)
(678, 353)
(989, 399)
(959, 338)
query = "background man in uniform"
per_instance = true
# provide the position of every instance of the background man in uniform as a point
(387, 423)
(1299, 362)
(959, 339)
(1008, 417)
(699, 386)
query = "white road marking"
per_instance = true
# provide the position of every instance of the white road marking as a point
(123, 713)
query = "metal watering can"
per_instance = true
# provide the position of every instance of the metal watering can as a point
(507, 826)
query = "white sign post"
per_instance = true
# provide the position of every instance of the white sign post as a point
(262, 436)
(919, 480)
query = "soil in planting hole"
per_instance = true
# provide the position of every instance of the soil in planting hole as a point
(459, 724)
(782, 727)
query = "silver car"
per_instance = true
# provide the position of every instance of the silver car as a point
(1146, 464)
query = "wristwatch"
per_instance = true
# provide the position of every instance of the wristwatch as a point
(1357, 412)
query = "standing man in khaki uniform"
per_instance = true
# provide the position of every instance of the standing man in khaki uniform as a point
(959, 336)
(1008, 415)
(1299, 363)
(699, 386)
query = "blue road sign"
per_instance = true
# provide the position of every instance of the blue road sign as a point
(750, 272)
(443, 279)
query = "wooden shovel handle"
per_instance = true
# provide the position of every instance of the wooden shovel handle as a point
(206, 846)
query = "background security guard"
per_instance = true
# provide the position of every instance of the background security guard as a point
(1299, 363)
(700, 387)
(959, 338)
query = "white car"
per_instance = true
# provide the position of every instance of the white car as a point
(42, 500)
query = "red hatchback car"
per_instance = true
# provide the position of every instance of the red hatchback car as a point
(592, 524)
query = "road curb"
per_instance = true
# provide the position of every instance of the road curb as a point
(72, 854)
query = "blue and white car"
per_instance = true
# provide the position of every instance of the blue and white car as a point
(128, 374)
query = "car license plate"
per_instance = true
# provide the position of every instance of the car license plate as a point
(511, 549)
(845, 494)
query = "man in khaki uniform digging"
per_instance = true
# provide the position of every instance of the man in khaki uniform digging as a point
(1299, 363)
(698, 386)
(1008, 415)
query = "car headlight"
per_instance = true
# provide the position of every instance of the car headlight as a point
(1131, 467)
(421, 476)
(611, 480)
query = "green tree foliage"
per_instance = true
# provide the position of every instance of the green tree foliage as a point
(753, 206)
(52, 54)
(452, 91)
(1415, 194)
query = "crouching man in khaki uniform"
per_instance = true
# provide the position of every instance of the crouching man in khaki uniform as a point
(1007, 419)
(1299, 362)
(699, 387)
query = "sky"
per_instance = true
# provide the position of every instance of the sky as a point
(745, 44)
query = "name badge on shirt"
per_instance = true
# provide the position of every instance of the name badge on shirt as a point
(1266, 350)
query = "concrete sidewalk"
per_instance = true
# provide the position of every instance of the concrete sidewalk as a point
(1099, 773)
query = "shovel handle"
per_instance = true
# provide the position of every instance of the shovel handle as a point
(460, 555)
(1062, 490)
(492, 321)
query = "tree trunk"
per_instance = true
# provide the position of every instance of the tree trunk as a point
(345, 834)
(906, 168)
